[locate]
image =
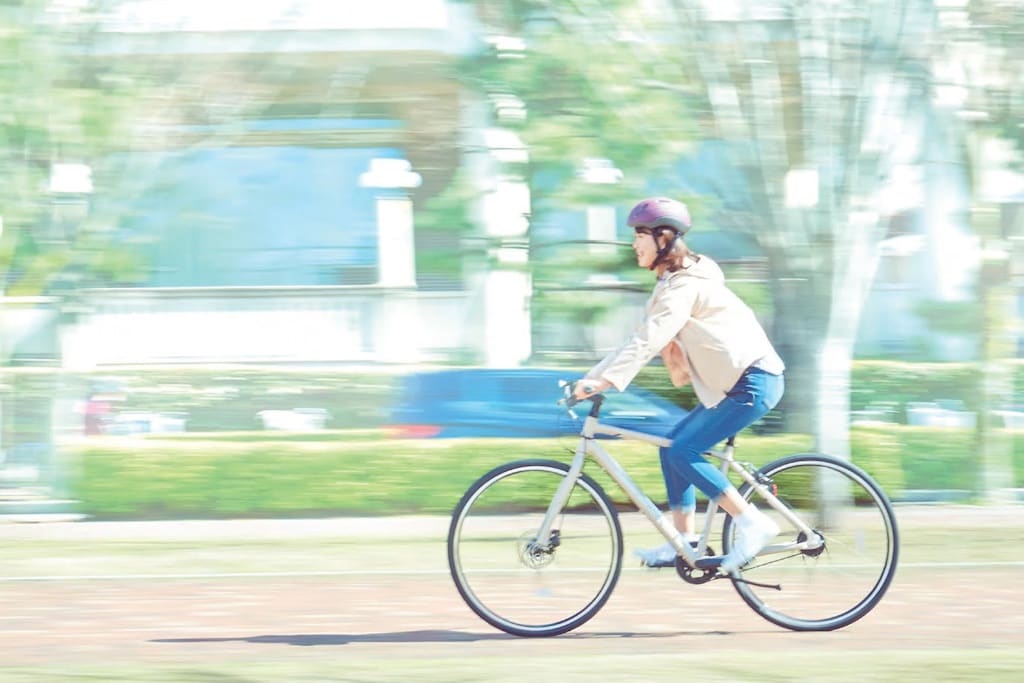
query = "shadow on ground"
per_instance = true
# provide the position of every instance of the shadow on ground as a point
(428, 636)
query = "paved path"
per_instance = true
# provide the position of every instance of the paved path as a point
(414, 611)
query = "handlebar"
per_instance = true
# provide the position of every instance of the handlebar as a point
(570, 401)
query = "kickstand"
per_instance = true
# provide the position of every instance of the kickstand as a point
(774, 586)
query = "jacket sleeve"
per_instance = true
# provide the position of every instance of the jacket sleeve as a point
(669, 311)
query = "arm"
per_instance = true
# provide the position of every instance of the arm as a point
(676, 363)
(669, 311)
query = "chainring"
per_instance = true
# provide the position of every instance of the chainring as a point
(692, 574)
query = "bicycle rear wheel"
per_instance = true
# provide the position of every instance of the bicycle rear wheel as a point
(510, 581)
(832, 586)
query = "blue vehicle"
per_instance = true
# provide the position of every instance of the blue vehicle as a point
(520, 402)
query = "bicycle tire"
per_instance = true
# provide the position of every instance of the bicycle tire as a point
(834, 586)
(514, 589)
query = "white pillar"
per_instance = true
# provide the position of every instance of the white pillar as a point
(507, 286)
(396, 246)
(507, 297)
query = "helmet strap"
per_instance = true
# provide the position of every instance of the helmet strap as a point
(663, 252)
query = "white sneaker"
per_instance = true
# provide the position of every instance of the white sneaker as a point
(662, 556)
(753, 531)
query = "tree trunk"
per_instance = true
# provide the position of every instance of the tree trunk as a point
(798, 339)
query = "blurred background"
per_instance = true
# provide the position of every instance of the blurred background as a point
(233, 230)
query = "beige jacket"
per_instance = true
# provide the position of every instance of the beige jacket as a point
(717, 333)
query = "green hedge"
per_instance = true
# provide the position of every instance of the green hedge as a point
(365, 474)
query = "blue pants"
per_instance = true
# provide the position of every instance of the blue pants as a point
(683, 465)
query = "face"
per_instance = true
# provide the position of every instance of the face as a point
(645, 247)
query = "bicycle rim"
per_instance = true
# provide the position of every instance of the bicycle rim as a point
(836, 585)
(534, 593)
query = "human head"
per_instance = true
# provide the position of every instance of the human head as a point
(666, 221)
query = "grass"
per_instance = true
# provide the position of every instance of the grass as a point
(786, 666)
(339, 545)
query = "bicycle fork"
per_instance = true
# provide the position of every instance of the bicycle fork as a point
(561, 497)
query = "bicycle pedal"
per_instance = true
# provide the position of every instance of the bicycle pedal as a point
(710, 563)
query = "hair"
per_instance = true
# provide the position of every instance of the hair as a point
(676, 257)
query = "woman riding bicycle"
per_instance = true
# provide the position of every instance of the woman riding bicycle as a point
(708, 337)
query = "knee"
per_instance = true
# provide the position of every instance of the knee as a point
(682, 453)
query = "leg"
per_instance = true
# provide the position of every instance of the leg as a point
(682, 496)
(682, 503)
(753, 396)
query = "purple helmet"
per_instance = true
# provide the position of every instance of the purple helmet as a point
(660, 212)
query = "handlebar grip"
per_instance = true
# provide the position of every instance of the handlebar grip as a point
(595, 398)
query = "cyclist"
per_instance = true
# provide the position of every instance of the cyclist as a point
(708, 337)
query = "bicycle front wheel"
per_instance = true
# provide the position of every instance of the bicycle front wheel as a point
(837, 583)
(514, 583)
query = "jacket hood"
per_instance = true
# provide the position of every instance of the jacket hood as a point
(705, 269)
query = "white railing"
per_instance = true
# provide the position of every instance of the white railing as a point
(265, 324)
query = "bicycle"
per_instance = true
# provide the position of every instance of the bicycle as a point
(535, 546)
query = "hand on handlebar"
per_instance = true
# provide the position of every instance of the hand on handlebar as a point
(585, 388)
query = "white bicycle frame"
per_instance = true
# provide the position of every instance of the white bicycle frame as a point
(588, 445)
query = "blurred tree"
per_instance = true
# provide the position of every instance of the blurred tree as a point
(983, 61)
(577, 96)
(63, 114)
(989, 37)
(826, 102)
(817, 102)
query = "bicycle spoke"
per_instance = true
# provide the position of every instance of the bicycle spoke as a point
(833, 586)
(514, 582)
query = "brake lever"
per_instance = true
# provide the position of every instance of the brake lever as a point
(568, 400)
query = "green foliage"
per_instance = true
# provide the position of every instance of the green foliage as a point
(366, 474)
(999, 25)
(444, 228)
(883, 454)
(931, 458)
(586, 94)
(952, 317)
(60, 106)
(158, 477)
(898, 383)
(222, 466)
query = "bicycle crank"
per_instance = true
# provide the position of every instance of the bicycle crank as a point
(692, 574)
